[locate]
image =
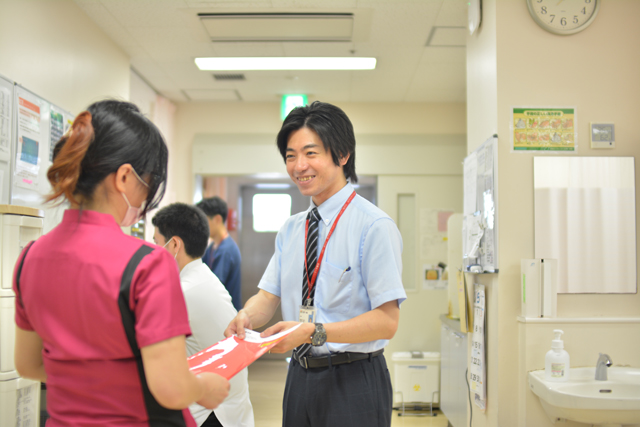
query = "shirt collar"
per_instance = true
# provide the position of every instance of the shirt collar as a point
(330, 208)
(189, 267)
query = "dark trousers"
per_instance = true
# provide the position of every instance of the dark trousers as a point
(211, 421)
(352, 394)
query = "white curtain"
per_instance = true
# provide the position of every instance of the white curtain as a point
(585, 218)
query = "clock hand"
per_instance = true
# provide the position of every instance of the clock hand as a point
(559, 2)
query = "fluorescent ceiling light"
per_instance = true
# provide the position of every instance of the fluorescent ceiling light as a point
(286, 63)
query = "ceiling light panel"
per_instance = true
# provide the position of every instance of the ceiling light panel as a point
(278, 27)
(286, 63)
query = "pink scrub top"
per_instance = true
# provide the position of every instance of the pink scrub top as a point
(68, 294)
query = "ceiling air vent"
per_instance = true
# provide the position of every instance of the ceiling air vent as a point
(229, 77)
(278, 27)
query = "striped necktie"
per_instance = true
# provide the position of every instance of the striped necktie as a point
(307, 271)
(312, 256)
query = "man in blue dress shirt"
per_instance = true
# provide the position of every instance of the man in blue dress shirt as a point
(223, 255)
(341, 277)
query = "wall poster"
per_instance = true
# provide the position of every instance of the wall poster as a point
(29, 142)
(544, 129)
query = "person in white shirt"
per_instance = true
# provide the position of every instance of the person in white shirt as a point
(183, 230)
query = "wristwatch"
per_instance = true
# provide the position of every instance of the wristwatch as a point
(319, 336)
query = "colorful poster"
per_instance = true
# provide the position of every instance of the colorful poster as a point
(544, 129)
(28, 150)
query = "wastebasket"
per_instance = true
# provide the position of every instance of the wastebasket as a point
(416, 377)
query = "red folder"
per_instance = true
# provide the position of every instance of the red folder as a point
(231, 355)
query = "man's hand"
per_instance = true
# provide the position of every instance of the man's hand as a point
(216, 389)
(300, 336)
(256, 313)
(238, 325)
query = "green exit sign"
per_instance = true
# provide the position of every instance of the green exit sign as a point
(289, 102)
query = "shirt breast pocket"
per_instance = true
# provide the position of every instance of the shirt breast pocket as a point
(334, 288)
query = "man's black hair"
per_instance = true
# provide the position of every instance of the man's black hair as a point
(187, 222)
(333, 127)
(213, 206)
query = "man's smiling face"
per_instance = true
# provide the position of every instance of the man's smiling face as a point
(311, 166)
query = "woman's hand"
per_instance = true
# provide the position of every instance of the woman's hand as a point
(216, 389)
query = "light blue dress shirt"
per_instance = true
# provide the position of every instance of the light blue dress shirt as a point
(360, 271)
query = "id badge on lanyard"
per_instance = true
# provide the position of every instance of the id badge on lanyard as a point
(307, 314)
(308, 311)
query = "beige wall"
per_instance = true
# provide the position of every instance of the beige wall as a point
(419, 328)
(246, 133)
(53, 49)
(595, 71)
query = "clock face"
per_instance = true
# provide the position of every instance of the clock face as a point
(563, 16)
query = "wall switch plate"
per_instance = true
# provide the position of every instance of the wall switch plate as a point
(603, 135)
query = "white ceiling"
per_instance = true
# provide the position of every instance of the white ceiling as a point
(419, 45)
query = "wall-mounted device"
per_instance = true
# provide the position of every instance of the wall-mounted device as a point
(603, 135)
(539, 278)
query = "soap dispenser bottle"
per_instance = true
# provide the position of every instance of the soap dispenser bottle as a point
(556, 362)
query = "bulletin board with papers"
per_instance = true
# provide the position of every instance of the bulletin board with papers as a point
(38, 125)
(480, 222)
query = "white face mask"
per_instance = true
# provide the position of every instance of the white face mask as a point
(165, 246)
(133, 215)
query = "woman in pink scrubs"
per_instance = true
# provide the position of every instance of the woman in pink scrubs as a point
(100, 315)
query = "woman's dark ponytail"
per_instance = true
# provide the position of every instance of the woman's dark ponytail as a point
(70, 150)
(108, 135)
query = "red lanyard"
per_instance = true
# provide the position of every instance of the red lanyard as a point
(306, 230)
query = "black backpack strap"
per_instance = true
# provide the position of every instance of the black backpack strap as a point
(19, 272)
(159, 416)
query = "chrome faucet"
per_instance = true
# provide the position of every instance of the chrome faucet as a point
(604, 361)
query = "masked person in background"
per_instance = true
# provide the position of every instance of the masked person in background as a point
(183, 230)
(100, 315)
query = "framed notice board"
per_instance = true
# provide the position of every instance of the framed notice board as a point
(480, 222)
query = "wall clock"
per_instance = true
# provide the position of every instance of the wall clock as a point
(563, 16)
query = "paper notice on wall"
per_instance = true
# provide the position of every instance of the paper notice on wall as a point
(477, 366)
(433, 234)
(6, 102)
(57, 129)
(29, 142)
(26, 405)
(434, 277)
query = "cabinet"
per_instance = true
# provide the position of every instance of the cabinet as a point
(19, 398)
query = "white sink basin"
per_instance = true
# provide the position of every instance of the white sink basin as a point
(583, 399)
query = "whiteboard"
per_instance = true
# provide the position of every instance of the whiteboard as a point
(480, 222)
(7, 120)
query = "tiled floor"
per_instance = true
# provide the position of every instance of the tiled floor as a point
(266, 385)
